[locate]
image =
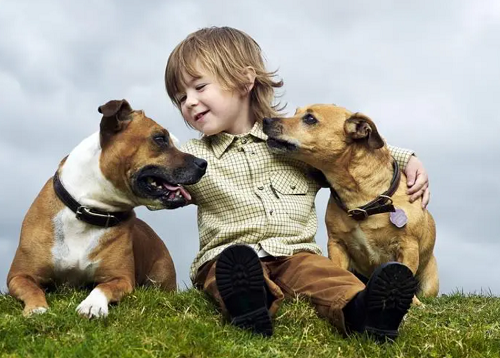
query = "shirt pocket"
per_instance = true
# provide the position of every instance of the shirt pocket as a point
(291, 188)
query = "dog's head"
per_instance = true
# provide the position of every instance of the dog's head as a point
(139, 157)
(319, 133)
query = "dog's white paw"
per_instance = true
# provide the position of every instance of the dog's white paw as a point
(35, 311)
(39, 310)
(94, 306)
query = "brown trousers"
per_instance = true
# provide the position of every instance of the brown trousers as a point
(305, 274)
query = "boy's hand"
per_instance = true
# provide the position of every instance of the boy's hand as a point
(417, 181)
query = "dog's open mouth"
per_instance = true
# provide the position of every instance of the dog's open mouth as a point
(157, 186)
(154, 183)
(280, 145)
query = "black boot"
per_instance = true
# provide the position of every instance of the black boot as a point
(240, 280)
(381, 306)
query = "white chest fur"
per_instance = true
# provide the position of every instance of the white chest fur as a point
(74, 242)
(361, 244)
(370, 253)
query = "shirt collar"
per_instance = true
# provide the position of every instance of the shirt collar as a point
(220, 142)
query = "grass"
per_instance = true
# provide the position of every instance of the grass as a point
(150, 323)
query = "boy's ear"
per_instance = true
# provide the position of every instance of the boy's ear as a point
(250, 74)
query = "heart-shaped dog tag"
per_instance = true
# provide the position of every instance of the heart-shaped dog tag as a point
(398, 218)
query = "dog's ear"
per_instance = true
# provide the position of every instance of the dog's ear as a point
(115, 115)
(115, 118)
(360, 127)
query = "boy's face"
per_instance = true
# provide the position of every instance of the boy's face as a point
(210, 109)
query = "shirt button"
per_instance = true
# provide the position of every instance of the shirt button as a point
(271, 212)
(260, 188)
(244, 141)
(293, 187)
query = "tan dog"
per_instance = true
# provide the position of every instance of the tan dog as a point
(82, 228)
(349, 151)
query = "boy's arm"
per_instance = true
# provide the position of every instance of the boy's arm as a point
(417, 178)
(401, 155)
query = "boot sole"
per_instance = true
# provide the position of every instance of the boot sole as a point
(389, 297)
(240, 280)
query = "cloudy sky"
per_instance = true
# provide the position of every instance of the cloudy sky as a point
(426, 71)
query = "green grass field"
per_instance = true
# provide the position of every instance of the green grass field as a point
(186, 324)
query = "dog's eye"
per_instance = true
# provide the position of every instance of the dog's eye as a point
(161, 140)
(309, 119)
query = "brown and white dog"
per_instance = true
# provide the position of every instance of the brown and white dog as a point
(369, 218)
(81, 229)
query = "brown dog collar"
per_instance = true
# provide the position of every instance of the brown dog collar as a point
(382, 204)
(86, 214)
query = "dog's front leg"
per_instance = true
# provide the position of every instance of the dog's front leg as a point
(409, 255)
(337, 252)
(25, 289)
(96, 303)
(428, 278)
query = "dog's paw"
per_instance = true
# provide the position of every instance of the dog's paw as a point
(94, 306)
(29, 311)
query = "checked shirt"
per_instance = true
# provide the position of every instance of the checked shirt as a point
(252, 196)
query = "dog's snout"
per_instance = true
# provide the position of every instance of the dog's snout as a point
(200, 163)
(271, 126)
(267, 121)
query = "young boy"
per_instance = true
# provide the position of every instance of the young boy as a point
(256, 213)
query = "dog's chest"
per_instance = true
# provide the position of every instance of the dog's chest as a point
(369, 252)
(74, 241)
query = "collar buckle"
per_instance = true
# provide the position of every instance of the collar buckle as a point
(85, 211)
(358, 214)
(388, 199)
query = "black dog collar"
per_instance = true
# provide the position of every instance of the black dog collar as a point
(382, 204)
(86, 214)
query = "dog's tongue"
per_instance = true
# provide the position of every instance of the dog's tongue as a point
(179, 188)
(185, 193)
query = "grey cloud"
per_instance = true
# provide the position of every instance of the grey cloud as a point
(426, 72)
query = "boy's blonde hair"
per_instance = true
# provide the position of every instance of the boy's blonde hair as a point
(225, 53)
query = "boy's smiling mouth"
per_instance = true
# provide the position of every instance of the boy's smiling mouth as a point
(200, 115)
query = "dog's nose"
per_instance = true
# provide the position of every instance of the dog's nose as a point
(267, 121)
(200, 163)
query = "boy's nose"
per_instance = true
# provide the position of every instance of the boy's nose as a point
(191, 101)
